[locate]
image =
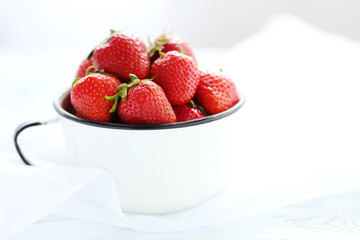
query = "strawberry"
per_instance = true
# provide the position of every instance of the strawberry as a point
(121, 55)
(178, 75)
(87, 62)
(185, 113)
(88, 96)
(216, 92)
(143, 102)
(166, 43)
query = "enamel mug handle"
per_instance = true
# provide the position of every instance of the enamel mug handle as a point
(24, 126)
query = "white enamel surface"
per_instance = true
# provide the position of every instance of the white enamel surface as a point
(156, 171)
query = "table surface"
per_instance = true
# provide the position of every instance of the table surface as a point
(330, 217)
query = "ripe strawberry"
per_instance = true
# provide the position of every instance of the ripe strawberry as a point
(178, 75)
(143, 102)
(121, 55)
(166, 43)
(87, 62)
(88, 96)
(185, 113)
(216, 92)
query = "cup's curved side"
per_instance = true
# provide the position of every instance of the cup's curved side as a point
(155, 171)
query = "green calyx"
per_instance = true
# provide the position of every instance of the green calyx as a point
(122, 93)
(75, 81)
(103, 72)
(122, 90)
(180, 49)
(105, 41)
(192, 104)
(90, 68)
(112, 31)
(157, 45)
(91, 54)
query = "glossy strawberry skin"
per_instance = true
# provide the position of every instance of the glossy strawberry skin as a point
(178, 75)
(88, 96)
(83, 67)
(146, 103)
(121, 55)
(216, 92)
(173, 44)
(185, 113)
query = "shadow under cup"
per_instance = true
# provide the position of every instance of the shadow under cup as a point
(157, 168)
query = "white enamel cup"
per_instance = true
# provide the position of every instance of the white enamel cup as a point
(157, 168)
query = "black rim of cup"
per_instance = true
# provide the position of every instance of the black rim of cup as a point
(58, 105)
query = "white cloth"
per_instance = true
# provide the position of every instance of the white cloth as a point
(297, 135)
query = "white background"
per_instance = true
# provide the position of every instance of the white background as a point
(83, 23)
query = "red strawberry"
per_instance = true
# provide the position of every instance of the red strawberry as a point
(88, 96)
(185, 113)
(166, 43)
(143, 102)
(121, 55)
(178, 75)
(87, 62)
(216, 92)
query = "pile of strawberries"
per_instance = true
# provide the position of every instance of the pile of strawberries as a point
(154, 85)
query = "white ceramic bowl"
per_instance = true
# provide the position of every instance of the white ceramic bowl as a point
(157, 168)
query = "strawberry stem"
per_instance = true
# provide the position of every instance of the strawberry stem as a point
(180, 49)
(158, 45)
(121, 86)
(104, 41)
(202, 109)
(75, 81)
(124, 87)
(91, 54)
(113, 108)
(136, 81)
(103, 72)
(192, 104)
(112, 97)
(123, 93)
(112, 31)
(132, 77)
(89, 69)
